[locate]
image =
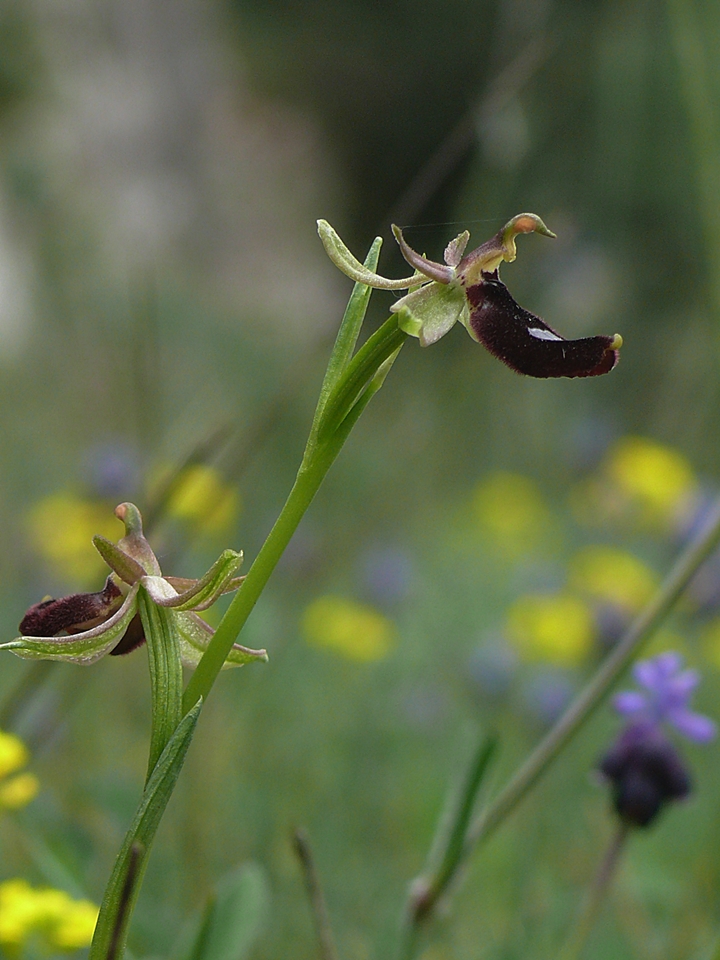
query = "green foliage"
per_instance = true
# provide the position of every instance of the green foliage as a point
(232, 920)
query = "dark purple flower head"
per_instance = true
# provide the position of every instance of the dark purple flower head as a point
(646, 772)
(666, 697)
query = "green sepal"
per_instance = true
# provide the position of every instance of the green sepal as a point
(84, 648)
(140, 836)
(194, 636)
(185, 583)
(203, 592)
(351, 266)
(124, 566)
(430, 312)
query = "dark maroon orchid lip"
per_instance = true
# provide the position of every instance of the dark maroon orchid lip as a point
(80, 611)
(526, 343)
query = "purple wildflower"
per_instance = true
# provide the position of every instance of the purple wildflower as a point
(644, 768)
(668, 691)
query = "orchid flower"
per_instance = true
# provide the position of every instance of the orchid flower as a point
(467, 288)
(84, 627)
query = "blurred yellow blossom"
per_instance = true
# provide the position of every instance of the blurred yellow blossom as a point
(52, 915)
(661, 479)
(353, 629)
(553, 628)
(16, 789)
(202, 497)
(511, 511)
(67, 545)
(641, 480)
(613, 576)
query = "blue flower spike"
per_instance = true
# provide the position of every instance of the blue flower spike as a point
(468, 289)
(668, 690)
(645, 769)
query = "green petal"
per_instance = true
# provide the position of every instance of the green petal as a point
(200, 594)
(195, 634)
(456, 248)
(83, 648)
(351, 266)
(430, 312)
(124, 566)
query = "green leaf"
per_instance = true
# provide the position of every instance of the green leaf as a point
(116, 910)
(358, 374)
(449, 844)
(84, 648)
(233, 917)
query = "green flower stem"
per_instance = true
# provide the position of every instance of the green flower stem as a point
(608, 673)
(342, 408)
(573, 949)
(165, 675)
(121, 891)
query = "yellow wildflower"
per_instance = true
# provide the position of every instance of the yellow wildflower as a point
(61, 922)
(202, 498)
(353, 629)
(641, 480)
(18, 790)
(67, 546)
(613, 576)
(75, 925)
(511, 511)
(660, 479)
(555, 629)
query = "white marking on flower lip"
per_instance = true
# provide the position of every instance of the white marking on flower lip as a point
(542, 334)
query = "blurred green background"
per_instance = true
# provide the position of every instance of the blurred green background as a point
(166, 310)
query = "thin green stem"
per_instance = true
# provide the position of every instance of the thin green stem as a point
(573, 949)
(318, 906)
(306, 485)
(598, 687)
(342, 409)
